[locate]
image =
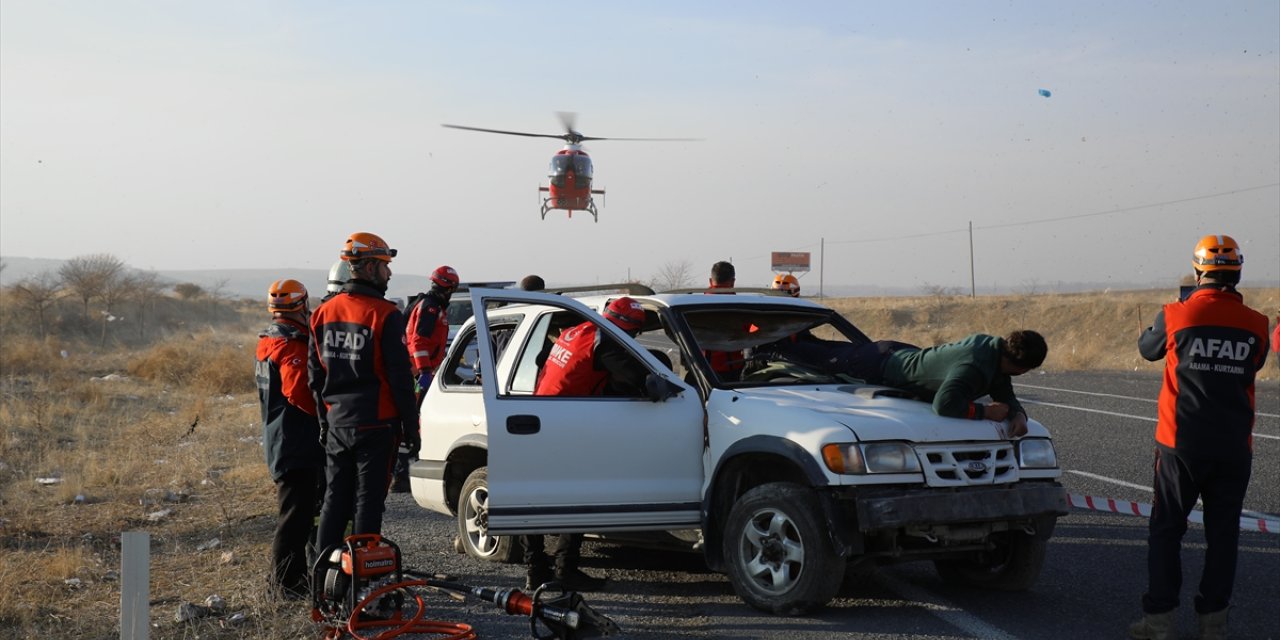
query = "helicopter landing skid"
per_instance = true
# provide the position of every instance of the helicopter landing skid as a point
(590, 208)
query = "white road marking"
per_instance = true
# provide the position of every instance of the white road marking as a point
(950, 613)
(1122, 415)
(1111, 480)
(1115, 395)
(1133, 485)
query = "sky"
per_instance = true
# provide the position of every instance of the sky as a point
(259, 134)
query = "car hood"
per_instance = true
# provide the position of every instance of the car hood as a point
(871, 413)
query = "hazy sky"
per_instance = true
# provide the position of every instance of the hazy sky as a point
(193, 135)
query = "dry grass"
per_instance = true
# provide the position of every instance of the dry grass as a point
(181, 432)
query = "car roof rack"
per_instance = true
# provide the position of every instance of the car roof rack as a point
(724, 291)
(630, 288)
(491, 284)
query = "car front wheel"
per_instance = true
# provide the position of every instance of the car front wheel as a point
(473, 523)
(780, 558)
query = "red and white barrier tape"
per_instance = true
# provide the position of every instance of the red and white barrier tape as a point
(1111, 505)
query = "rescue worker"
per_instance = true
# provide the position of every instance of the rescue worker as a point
(584, 363)
(727, 365)
(953, 375)
(426, 334)
(1212, 345)
(339, 274)
(788, 283)
(428, 327)
(364, 390)
(290, 434)
(532, 283)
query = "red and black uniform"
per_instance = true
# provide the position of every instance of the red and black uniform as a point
(1213, 345)
(427, 333)
(585, 363)
(360, 376)
(290, 439)
(727, 365)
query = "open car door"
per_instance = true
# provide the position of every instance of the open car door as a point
(592, 463)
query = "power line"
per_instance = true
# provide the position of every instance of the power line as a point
(1057, 219)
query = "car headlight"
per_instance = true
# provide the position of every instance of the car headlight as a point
(1037, 453)
(876, 457)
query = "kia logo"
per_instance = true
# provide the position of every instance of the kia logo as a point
(975, 466)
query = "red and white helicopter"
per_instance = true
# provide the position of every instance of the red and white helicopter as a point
(571, 172)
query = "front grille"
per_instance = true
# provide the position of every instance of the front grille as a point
(963, 465)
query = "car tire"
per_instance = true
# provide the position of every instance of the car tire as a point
(473, 523)
(780, 557)
(1013, 565)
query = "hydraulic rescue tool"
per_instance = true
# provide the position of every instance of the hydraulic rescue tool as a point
(359, 590)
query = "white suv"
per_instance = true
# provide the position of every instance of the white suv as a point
(782, 476)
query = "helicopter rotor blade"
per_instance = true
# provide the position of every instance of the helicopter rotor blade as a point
(562, 136)
(569, 120)
(585, 138)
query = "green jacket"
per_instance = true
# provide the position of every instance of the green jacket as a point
(953, 375)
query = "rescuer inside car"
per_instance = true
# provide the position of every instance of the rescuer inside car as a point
(360, 376)
(1212, 345)
(290, 435)
(727, 365)
(584, 362)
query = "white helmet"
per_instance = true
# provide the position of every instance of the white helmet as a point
(339, 274)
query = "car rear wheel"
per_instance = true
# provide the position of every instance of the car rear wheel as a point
(780, 558)
(473, 523)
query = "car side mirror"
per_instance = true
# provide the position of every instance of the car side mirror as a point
(659, 389)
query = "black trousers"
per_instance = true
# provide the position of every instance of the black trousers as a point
(358, 472)
(297, 492)
(1179, 480)
(567, 552)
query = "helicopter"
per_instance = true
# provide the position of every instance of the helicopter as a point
(571, 173)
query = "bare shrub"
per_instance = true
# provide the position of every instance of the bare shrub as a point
(202, 364)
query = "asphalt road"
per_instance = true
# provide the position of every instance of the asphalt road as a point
(1093, 576)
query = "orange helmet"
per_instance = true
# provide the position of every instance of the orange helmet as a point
(1217, 253)
(788, 283)
(445, 277)
(363, 245)
(626, 313)
(286, 295)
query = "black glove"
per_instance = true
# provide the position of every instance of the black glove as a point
(409, 438)
(324, 433)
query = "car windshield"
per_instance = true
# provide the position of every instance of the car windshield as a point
(772, 346)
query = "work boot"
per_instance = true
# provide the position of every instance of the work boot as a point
(539, 574)
(573, 579)
(1154, 626)
(1213, 626)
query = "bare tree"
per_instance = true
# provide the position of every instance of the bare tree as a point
(188, 290)
(146, 284)
(115, 290)
(676, 274)
(86, 277)
(37, 294)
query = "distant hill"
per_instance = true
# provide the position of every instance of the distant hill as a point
(253, 283)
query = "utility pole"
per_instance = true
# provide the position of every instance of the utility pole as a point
(822, 260)
(973, 286)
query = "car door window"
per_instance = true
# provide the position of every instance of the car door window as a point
(463, 366)
(543, 337)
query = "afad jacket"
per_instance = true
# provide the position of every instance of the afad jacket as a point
(359, 364)
(1213, 345)
(427, 333)
(290, 431)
